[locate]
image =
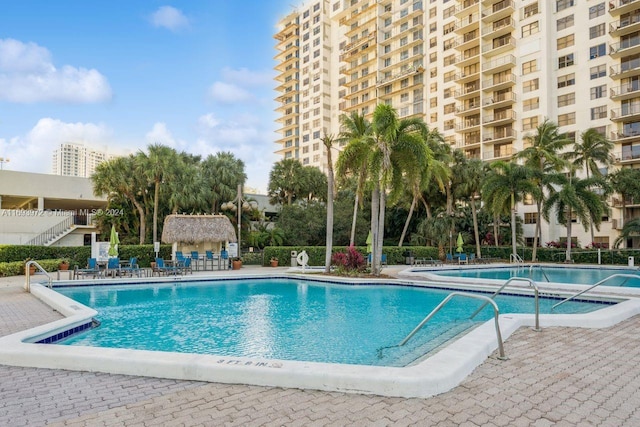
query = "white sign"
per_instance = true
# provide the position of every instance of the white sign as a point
(233, 250)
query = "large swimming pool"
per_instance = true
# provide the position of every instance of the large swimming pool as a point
(544, 274)
(286, 319)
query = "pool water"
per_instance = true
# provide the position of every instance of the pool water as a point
(285, 319)
(583, 276)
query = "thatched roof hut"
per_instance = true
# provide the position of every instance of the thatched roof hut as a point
(197, 229)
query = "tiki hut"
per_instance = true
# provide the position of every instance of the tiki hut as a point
(198, 233)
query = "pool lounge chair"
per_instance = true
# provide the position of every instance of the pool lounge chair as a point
(161, 268)
(462, 259)
(92, 270)
(132, 268)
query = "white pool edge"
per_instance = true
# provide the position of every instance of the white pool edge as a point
(436, 374)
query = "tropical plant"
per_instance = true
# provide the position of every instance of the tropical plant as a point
(472, 174)
(626, 182)
(221, 175)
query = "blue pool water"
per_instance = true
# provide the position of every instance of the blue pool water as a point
(284, 319)
(583, 276)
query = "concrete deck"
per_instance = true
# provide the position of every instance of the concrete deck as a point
(560, 377)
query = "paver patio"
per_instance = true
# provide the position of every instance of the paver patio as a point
(559, 377)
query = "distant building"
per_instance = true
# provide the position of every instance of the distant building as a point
(76, 159)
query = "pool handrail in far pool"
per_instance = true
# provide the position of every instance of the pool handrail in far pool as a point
(515, 279)
(628, 276)
(488, 300)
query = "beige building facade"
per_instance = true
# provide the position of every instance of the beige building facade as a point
(485, 73)
(76, 159)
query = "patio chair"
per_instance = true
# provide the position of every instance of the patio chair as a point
(472, 258)
(462, 259)
(224, 255)
(92, 269)
(132, 268)
(195, 257)
(185, 266)
(113, 267)
(165, 269)
(209, 257)
(449, 259)
(383, 259)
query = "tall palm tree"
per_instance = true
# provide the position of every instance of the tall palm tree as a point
(626, 182)
(473, 175)
(117, 176)
(396, 147)
(353, 159)
(221, 174)
(576, 196)
(594, 149)
(542, 156)
(506, 184)
(327, 141)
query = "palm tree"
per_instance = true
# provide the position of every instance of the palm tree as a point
(630, 229)
(396, 147)
(417, 181)
(506, 184)
(576, 196)
(626, 182)
(221, 174)
(284, 181)
(353, 159)
(327, 141)
(542, 156)
(473, 174)
(595, 148)
(436, 229)
(117, 176)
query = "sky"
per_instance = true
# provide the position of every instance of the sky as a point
(119, 75)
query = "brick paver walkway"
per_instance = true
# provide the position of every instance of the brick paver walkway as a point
(560, 377)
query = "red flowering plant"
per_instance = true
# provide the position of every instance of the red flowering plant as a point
(349, 262)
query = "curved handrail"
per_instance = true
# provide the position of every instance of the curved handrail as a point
(496, 312)
(541, 271)
(515, 279)
(28, 276)
(628, 276)
(516, 258)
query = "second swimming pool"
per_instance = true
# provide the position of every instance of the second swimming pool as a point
(286, 319)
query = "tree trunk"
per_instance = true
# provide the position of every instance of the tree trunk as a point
(496, 228)
(329, 243)
(383, 199)
(513, 227)
(352, 240)
(537, 232)
(568, 253)
(476, 232)
(406, 223)
(375, 209)
(156, 204)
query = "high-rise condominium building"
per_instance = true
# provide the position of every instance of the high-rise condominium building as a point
(74, 159)
(485, 73)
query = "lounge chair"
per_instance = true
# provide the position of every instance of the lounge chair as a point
(92, 269)
(161, 268)
(462, 259)
(132, 268)
(224, 255)
(209, 257)
(195, 257)
(185, 266)
(113, 267)
(449, 259)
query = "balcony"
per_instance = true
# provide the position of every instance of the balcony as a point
(468, 109)
(625, 91)
(468, 125)
(499, 28)
(625, 69)
(466, 77)
(625, 26)
(467, 41)
(499, 10)
(468, 58)
(499, 153)
(499, 101)
(499, 46)
(620, 136)
(401, 73)
(466, 7)
(500, 118)
(467, 91)
(631, 155)
(499, 136)
(618, 7)
(500, 64)
(468, 23)
(626, 113)
(357, 43)
(503, 82)
(628, 46)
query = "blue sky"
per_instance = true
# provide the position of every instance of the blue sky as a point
(119, 75)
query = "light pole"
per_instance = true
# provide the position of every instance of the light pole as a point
(3, 160)
(237, 205)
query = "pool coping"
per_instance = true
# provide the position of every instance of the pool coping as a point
(436, 374)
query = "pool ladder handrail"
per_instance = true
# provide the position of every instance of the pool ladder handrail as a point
(496, 312)
(28, 276)
(628, 276)
(536, 295)
(541, 271)
(516, 258)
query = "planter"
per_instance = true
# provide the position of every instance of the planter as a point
(32, 270)
(64, 266)
(236, 264)
(274, 263)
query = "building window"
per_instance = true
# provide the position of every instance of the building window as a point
(598, 91)
(530, 10)
(565, 61)
(566, 119)
(530, 29)
(563, 4)
(566, 99)
(531, 85)
(565, 22)
(565, 41)
(597, 31)
(530, 123)
(597, 10)
(566, 80)
(597, 51)
(529, 66)
(531, 217)
(599, 112)
(531, 104)
(598, 71)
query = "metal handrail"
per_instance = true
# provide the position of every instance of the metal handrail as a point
(515, 257)
(541, 271)
(496, 311)
(28, 276)
(628, 276)
(515, 279)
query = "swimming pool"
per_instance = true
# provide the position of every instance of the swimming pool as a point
(442, 370)
(543, 274)
(287, 319)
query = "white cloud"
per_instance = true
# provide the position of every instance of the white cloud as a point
(27, 75)
(228, 93)
(33, 152)
(170, 18)
(208, 121)
(160, 134)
